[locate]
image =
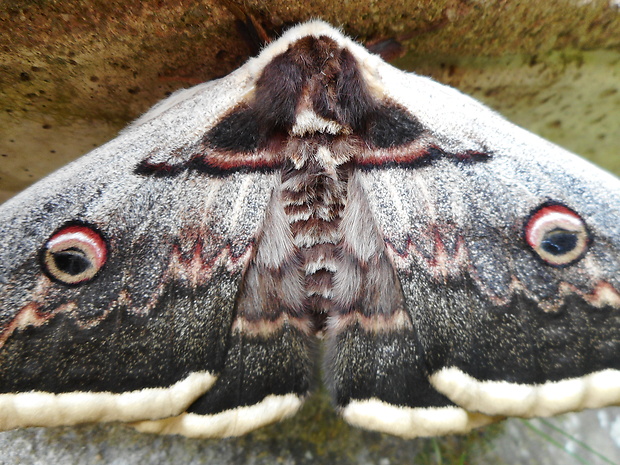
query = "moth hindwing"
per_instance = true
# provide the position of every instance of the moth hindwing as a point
(456, 268)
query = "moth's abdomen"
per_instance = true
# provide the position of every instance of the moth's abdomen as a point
(314, 195)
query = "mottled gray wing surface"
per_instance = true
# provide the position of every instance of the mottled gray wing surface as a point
(503, 325)
(119, 277)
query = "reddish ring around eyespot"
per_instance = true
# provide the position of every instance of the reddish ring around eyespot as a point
(74, 254)
(557, 234)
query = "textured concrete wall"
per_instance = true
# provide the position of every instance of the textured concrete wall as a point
(72, 73)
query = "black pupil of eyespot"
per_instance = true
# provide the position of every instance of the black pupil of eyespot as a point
(559, 242)
(71, 261)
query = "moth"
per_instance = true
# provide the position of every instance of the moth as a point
(315, 211)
